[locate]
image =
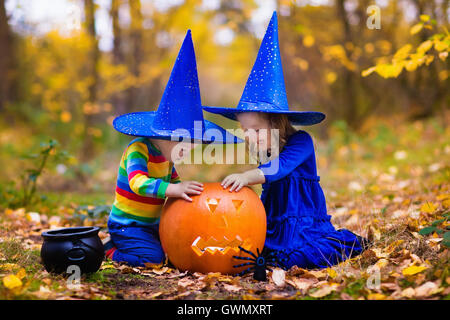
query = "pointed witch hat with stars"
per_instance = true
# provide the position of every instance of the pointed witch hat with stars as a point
(265, 90)
(179, 115)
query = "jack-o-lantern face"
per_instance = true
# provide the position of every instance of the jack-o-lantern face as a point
(204, 235)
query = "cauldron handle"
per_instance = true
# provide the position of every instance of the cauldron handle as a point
(89, 246)
(76, 259)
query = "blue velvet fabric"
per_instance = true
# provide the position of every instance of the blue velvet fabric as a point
(298, 226)
(136, 244)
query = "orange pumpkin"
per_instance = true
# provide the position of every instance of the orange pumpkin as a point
(203, 235)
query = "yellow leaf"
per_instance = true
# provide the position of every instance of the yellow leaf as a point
(21, 274)
(440, 45)
(411, 65)
(412, 270)
(308, 41)
(381, 263)
(389, 249)
(403, 52)
(8, 266)
(368, 72)
(429, 59)
(12, 282)
(443, 196)
(332, 273)
(428, 207)
(446, 203)
(389, 70)
(424, 17)
(425, 46)
(376, 296)
(416, 28)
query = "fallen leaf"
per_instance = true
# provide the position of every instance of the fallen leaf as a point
(177, 275)
(412, 270)
(153, 265)
(323, 291)
(390, 286)
(279, 277)
(12, 282)
(408, 293)
(21, 274)
(302, 284)
(376, 296)
(427, 289)
(428, 207)
(8, 266)
(162, 270)
(381, 263)
(34, 217)
(332, 273)
(320, 274)
(231, 287)
(157, 294)
(185, 282)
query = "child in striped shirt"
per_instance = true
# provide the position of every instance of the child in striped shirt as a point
(146, 175)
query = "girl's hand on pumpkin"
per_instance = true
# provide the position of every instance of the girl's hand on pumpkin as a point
(235, 181)
(182, 189)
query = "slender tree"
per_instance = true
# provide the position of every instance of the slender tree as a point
(6, 55)
(349, 94)
(118, 100)
(136, 36)
(92, 74)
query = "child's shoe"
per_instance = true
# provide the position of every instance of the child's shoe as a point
(109, 247)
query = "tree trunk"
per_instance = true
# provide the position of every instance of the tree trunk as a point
(6, 56)
(349, 93)
(118, 100)
(92, 73)
(136, 42)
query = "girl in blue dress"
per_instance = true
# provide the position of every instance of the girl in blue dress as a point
(299, 230)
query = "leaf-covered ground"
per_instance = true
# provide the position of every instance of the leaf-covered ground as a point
(389, 183)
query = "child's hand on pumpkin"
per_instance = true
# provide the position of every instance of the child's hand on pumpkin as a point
(236, 180)
(182, 189)
(239, 180)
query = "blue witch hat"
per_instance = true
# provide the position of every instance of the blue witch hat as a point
(265, 90)
(179, 115)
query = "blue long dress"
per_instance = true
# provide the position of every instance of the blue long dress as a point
(298, 226)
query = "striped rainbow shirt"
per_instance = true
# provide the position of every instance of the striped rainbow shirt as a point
(143, 177)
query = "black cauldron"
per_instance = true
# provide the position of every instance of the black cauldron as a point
(79, 246)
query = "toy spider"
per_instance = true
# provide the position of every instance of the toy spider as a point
(259, 263)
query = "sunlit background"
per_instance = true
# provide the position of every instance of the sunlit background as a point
(68, 67)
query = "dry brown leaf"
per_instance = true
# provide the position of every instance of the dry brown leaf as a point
(177, 275)
(155, 295)
(427, 289)
(153, 265)
(408, 292)
(324, 290)
(162, 270)
(185, 282)
(390, 286)
(302, 284)
(231, 287)
(320, 274)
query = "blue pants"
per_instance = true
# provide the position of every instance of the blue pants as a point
(136, 244)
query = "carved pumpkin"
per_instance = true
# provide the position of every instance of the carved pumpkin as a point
(203, 235)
